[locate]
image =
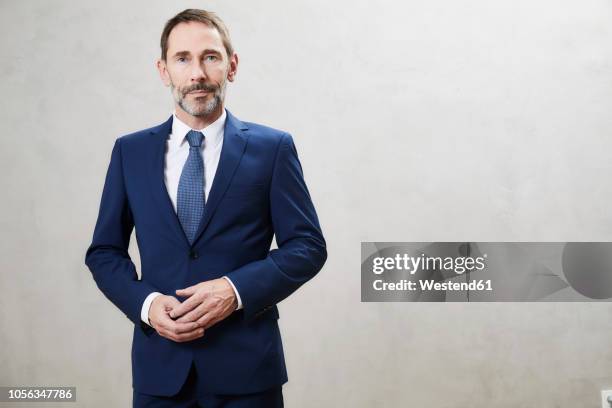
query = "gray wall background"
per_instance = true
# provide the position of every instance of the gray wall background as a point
(423, 120)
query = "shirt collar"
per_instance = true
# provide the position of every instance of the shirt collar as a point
(213, 133)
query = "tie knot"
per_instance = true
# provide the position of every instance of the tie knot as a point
(195, 138)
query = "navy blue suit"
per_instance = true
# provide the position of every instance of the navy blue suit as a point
(258, 192)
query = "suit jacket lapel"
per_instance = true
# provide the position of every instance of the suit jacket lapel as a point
(158, 185)
(234, 142)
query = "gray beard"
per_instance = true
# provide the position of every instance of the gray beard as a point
(198, 108)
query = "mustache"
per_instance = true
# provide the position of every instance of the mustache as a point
(200, 87)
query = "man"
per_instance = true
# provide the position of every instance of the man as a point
(206, 193)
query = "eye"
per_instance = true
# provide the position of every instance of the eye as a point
(210, 58)
(181, 59)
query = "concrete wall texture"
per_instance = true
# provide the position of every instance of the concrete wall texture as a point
(420, 121)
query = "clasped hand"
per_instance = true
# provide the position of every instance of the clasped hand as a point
(207, 303)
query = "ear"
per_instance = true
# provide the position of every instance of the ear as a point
(163, 71)
(233, 67)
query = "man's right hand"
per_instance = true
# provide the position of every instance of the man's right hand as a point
(168, 328)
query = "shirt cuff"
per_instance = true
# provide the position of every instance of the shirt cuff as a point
(146, 305)
(236, 292)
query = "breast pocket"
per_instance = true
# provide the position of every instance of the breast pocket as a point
(246, 205)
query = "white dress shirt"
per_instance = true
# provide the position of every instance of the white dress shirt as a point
(177, 151)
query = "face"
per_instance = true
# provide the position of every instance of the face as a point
(197, 68)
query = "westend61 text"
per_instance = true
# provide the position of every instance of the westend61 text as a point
(429, 284)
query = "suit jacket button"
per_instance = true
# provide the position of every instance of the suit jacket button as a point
(194, 254)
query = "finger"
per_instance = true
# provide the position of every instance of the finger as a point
(185, 307)
(194, 315)
(172, 302)
(206, 320)
(166, 323)
(211, 323)
(180, 328)
(213, 313)
(184, 336)
(186, 291)
(175, 334)
(209, 304)
(177, 337)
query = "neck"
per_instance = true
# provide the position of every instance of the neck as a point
(198, 122)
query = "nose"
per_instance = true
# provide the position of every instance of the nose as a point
(198, 72)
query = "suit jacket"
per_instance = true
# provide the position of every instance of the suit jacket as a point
(258, 192)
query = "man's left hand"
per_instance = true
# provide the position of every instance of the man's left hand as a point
(208, 302)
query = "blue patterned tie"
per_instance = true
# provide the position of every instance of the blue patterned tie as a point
(190, 196)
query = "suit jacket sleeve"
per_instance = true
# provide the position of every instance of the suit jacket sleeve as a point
(107, 257)
(301, 249)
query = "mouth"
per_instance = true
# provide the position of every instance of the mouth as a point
(197, 93)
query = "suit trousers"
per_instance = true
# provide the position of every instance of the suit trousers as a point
(190, 397)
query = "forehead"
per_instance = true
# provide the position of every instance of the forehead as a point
(194, 36)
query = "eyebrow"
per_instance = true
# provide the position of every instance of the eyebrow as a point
(187, 53)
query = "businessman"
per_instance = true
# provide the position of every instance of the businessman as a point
(206, 193)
